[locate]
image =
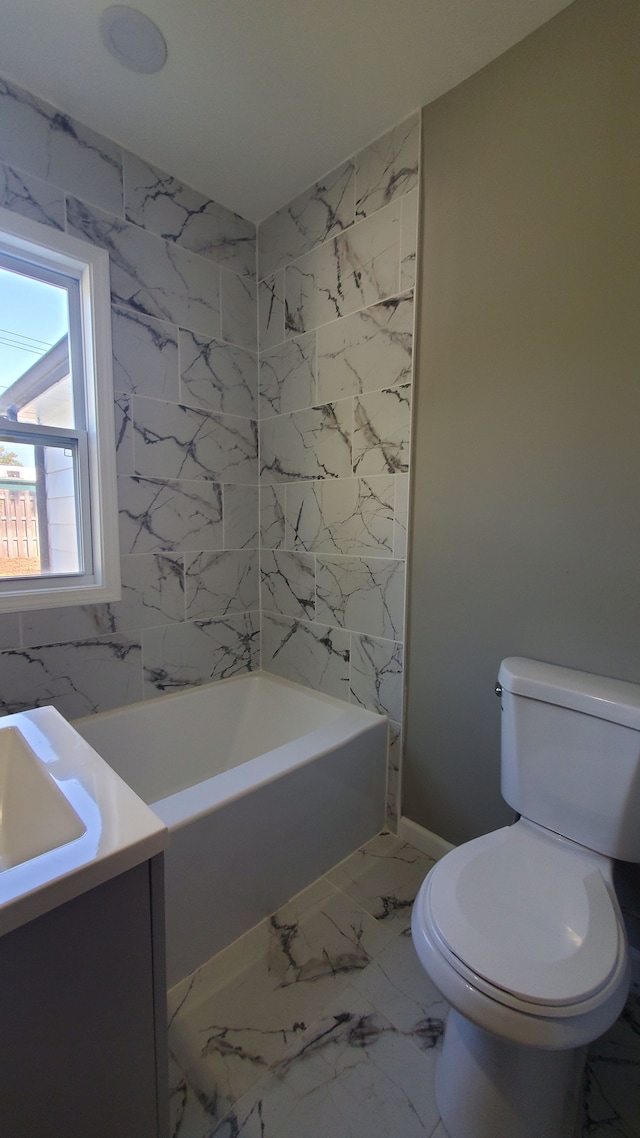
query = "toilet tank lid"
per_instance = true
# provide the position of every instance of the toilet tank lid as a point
(615, 700)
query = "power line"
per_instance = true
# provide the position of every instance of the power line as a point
(22, 336)
(20, 348)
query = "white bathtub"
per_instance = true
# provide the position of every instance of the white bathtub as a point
(264, 785)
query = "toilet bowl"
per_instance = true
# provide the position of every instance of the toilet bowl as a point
(546, 973)
(520, 929)
(522, 933)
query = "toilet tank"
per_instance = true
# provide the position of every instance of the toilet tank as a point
(571, 754)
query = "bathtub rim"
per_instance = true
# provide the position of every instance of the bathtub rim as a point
(193, 802)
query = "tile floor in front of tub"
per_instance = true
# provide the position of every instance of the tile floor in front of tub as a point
(321, 1022)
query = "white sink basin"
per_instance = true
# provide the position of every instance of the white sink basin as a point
(67, 821)
(35, 816)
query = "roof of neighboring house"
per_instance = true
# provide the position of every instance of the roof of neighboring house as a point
(47, 371)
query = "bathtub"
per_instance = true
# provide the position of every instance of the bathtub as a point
(264, 785)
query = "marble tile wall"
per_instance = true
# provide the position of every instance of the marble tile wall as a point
(336, 277)
(183, 277)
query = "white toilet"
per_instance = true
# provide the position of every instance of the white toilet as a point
(520, 929)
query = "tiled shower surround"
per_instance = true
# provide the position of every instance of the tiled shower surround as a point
(335, 297)
(317, 434)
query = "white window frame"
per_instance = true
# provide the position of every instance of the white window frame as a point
(39, 245)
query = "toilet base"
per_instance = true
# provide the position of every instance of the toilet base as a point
(489, 1088)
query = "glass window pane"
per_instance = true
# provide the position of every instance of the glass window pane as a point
(39, 531)
(58, 502)
(35, 368)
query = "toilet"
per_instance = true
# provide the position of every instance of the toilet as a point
(520, 929)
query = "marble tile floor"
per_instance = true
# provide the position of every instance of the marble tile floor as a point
(320, 1022)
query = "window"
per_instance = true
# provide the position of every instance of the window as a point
(58, 512)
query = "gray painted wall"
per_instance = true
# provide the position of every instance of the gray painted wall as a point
(527, 463)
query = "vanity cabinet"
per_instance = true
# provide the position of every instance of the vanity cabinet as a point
(83, 1015)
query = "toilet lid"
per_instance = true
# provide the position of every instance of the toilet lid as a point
(529, 914)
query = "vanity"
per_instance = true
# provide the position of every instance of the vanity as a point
(82, 974)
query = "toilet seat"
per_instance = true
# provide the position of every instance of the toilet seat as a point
(526, 917)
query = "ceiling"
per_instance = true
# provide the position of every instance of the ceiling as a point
(259, 98)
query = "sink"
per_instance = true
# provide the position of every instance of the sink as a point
(68, 822)
(35, 816)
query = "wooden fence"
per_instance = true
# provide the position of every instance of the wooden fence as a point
(18, 522)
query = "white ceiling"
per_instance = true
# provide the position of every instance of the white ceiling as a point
(259, 98)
